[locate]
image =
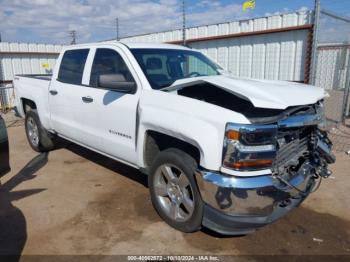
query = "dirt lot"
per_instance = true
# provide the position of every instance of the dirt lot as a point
(73, 201)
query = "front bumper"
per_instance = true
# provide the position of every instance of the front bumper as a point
(239, 205)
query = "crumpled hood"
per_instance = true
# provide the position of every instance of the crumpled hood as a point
(262, 93)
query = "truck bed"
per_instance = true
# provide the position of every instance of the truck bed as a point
(33, 88)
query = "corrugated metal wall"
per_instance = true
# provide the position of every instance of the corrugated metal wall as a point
(251, 25)
(264, 55)
(26, 58)
(251, 50)
(272, 56)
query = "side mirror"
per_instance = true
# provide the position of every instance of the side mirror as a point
(116, 82)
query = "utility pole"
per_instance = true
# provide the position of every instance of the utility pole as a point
(73, 35)
(117, 27)
(183, 23)
(0, 37)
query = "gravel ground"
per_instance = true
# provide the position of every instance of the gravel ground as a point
(75, 202)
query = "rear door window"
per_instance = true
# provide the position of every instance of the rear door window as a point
(72, 66)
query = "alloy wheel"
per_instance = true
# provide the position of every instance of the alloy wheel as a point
(33, 131)
(174, 192)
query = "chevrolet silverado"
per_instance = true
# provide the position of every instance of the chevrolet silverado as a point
(222, 152)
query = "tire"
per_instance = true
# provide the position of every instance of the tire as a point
(174, 192)
(38, 137)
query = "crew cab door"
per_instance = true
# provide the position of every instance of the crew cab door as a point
(4, 149)
(115, 112)
(72, 109)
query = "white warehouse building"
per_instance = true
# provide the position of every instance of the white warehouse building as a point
(274, 47)
(277, 47)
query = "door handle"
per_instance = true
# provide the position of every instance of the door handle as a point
(53, 92)
(87, 99)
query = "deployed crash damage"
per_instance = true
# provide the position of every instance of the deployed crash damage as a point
(294, 154)
(288, 143)
(253, 98)
(295, 130)
(217, 96)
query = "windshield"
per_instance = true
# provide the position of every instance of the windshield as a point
(163, 67)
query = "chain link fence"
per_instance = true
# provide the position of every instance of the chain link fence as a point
(331, 74)
(332, 70)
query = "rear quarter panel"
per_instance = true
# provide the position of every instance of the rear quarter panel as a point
(35, 90)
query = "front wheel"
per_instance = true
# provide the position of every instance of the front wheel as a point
(174, 192)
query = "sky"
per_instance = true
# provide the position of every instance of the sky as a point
(49, 21)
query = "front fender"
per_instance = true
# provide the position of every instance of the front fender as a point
(195, 122)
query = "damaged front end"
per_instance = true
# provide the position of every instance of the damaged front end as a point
(305, 149)
(268, 169)
(283, 146)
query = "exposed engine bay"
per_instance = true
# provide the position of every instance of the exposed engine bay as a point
(217, 96)
(303, 148)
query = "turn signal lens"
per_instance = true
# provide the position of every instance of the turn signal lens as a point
(251, 164)
(233, 135)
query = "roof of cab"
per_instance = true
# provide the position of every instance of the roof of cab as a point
(155, 45)
(130, 45)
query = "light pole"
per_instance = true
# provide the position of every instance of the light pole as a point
(73, 35)
(117, 27)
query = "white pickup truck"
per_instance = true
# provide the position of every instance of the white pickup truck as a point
(229, 154)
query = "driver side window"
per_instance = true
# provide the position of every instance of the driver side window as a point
(108, 61)
(195, 65)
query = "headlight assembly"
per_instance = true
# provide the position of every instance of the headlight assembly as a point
(249, 147)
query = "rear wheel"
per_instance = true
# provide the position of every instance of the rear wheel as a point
(38, 137)
(174, 192)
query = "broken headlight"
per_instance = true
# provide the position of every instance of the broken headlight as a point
(249, 147)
